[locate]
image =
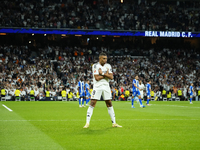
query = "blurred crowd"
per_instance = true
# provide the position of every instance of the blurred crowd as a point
(79, 14)
(53, 68)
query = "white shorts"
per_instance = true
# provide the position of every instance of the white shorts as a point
(103, 90)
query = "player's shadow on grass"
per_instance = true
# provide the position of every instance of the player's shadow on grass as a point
(96, 131)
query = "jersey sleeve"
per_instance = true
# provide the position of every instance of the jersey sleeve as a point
(79, 84)
(95, 69)
(86, 86)
(134, 82)
(110, 69)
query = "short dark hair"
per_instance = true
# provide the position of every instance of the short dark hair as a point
(102, 54)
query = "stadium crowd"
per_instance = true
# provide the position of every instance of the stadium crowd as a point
(137, 15)
(54, 69)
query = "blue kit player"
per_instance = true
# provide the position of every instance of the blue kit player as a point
(191, 92)
(148, 90)
(136, 92)
(81, 92)
(87, 91)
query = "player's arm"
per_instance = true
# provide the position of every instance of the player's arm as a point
(136, 86)
(87, 88)
(108, 75)
(97, 73)
(98, 77)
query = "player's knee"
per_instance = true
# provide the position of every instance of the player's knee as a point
(109, 103)
(93, 103)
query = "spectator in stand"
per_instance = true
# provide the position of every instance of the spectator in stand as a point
(169, 68)
(80, 14)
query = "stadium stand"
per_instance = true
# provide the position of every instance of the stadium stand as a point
(55, 68)
(147, 15)
(50, 68)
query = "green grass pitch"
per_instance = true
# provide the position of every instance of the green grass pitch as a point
(59, 125)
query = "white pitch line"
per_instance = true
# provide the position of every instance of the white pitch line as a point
(175, 106)
(6, 107)
(92, 120)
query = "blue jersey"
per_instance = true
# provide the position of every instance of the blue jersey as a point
(190, 90)
(136, 83)
(87, 88)
(81, 87)
(148, 88)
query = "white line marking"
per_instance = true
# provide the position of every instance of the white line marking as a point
(175, 106)
(93, 120)
(6, 107)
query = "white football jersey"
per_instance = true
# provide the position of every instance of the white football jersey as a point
(95, 70)
(142, 87)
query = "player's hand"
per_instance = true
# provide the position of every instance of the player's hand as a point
(100, 71)
(107, 71)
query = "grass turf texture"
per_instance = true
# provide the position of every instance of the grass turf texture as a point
(59, 125)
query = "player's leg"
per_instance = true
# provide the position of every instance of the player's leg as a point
(90, 112)
(87, 100)
(191, 96)
(107, 96)
(111, 112)
(80, 99)
(96, 94)
(83, 100)
(142, 96)
(148, 98)
(140, 100)
(132, 100)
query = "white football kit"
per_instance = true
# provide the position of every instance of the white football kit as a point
(141, 86)
(102, 86)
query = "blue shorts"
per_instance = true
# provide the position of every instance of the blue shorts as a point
(191, 94)
(136, 93)
(148, 95)
(88, 95)
(82, 94)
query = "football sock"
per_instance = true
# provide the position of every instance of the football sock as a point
(112, 114)
(132, 101)
(147, 101)
(83, 101)
(89, 114)
(79, 101)
(140, 102)
(190, 100)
